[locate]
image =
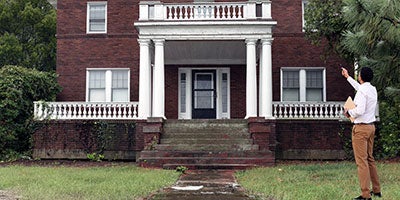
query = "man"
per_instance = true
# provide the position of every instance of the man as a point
(364, 131)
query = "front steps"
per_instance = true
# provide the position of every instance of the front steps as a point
(206, 144)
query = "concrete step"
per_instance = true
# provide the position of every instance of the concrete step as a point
(212, 166)
(206, 147)
(202, 154)
(211, 140)
(205, 135)
(206, 126)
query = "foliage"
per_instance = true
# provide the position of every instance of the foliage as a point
(27, 34)
(314, 181)
(119, 181)
(324, 22)
(366, 32)
(181, 169)
(95, 157)
(19, 87)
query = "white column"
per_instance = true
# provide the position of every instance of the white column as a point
(144, 79)
(158, 79)
(266, 78)
(251, 79)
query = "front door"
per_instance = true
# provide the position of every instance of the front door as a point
(204, 94)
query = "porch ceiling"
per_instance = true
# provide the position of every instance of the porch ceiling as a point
(191, 52)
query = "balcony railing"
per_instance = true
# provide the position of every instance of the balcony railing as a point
(154, 10)
(85, 110)
(308, 110)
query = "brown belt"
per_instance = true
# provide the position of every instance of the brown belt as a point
(372, 123)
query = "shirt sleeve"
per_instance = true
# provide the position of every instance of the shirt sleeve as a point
(353, 83)
(361, 101)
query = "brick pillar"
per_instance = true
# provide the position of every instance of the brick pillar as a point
(152, 131)
(262, 132)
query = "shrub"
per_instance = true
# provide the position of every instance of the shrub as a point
(19, 87)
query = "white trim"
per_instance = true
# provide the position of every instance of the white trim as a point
(92, 3)
(188, 72)
(108, 82)
(303, 21)
(302, 81)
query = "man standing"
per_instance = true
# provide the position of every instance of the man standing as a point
(364, 131)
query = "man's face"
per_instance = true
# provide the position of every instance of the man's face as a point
(359, 78)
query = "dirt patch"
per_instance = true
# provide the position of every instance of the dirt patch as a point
(9, 195)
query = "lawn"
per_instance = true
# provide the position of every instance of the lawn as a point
(61, 182)
(328, 180)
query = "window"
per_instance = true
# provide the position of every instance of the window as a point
(96, 17)
(106, 85)
(306, 84)
(303, 6)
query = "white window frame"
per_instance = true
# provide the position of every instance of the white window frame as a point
(303, 7)
(108, 82)
(95, 3)
(303, 81)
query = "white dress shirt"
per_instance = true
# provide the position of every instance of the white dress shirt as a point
(366, 100)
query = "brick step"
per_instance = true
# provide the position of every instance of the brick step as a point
(196, 154)
(213, 162)
(206, 147)
(204, 135)
(206, 141)
(206, 130)
(213, 166)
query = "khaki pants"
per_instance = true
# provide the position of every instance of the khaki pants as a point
(363, 144)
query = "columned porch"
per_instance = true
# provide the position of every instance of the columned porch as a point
(205, 34)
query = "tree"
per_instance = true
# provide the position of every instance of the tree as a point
(368, 33)
(19, 87)
(27, 34)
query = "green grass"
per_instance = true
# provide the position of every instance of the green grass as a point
(117, 182)
(316, 181)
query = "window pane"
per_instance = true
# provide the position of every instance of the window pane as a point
(204, 81)
(183, 92)
(120, 91)
(97, 79)
(291, 95)
(97, 95)
(314, 94)
(314, 79)
(224, 92)
(290, 79)
(120, 95)
(204, 99)
(97, 17)
(120, 79)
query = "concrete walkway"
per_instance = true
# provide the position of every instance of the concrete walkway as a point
(204, 185)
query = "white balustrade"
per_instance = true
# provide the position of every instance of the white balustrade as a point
(204, 11)
(85, 110)
(308, 110)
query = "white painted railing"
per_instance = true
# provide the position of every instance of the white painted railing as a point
(151, 10)
(85, 110)
(308, 110)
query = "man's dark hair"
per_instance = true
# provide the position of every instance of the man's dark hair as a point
(366, 74)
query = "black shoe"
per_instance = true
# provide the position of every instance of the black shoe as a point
(362, 198)
(378, 194)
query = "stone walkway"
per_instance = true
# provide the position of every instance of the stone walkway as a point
(204, 185)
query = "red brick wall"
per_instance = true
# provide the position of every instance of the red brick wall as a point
(304, 137)
(75, 138)
(77, 50)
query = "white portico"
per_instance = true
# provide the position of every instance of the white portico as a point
(237, 33)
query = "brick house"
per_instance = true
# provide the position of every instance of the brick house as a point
(169, 66)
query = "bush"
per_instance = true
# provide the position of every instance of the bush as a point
(387, 143)
(19, 87)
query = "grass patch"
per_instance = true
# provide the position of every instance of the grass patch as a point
(116, 182)
(316, 181)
